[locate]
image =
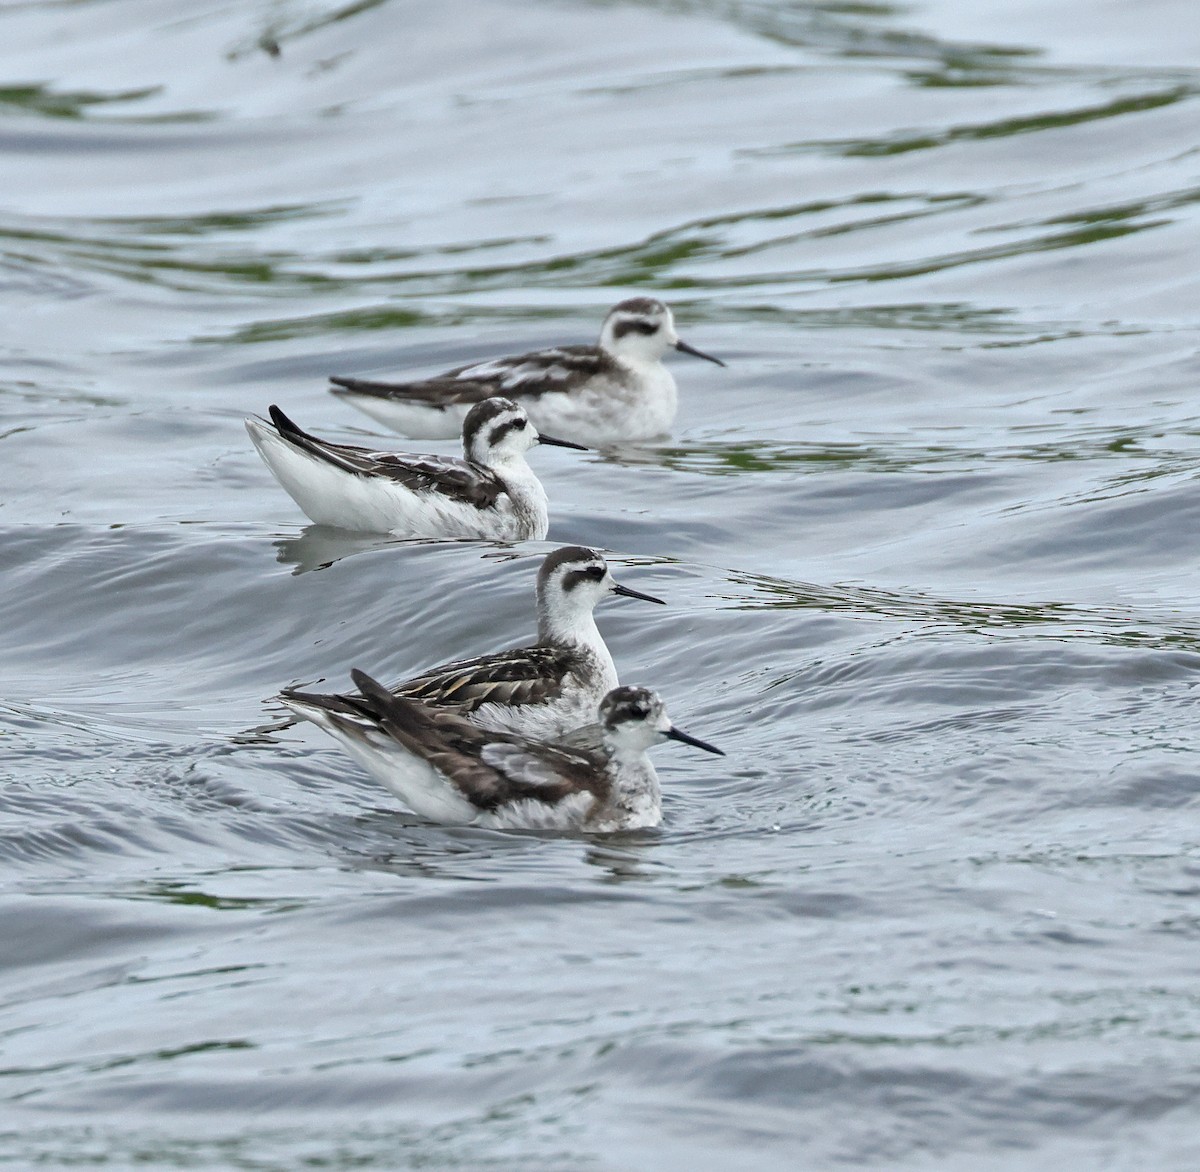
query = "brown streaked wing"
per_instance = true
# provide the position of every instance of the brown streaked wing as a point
(455, 747)
(528, 675)
(492, 769)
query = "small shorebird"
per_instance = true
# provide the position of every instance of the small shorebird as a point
(541, 690)
(446, 769)
(612, 392)
(491, 495)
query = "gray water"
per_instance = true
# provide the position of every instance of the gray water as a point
(929, 546)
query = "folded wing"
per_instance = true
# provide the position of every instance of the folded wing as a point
(537, 373)
(489, 769)
(444, 475)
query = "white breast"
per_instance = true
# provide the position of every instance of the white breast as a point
(636, 800)
(603, 410)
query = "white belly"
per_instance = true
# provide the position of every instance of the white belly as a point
(411, 418)
(605, 412)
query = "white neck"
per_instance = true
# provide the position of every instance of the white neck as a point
(514, 469)
(570, 626)
(524, 488)
(577, 628)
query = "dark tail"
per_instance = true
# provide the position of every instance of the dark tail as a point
(409, 715)
(409, 721)
(286, 427)
(330, 453)
(361, 386)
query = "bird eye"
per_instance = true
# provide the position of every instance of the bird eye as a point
(596, 573)
(518, 424)
(638, 712)
(646, 327)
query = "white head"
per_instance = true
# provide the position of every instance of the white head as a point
(570, 583)
(633, 719)
(642, 329)
(497, 431)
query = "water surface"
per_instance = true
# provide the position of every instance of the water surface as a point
(929, 545)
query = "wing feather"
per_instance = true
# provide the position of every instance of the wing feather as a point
(537, 373)
(523, 765)
(527, 675)
(456, 479)
(488, 769)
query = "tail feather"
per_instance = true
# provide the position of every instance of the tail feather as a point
(325, 702)
(343, 385)
(403, 715)
(286, 427)
(421, 728)
(339, 455)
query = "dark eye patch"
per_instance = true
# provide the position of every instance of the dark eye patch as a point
(635, 326)
(591, 574)
(498, 433)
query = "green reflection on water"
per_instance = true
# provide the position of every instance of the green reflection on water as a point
(1005, 127)
(1060, 621)
(754, 456)
(185, 1051)
(856, 30)
(352, 320)
(185, 896)
(42, 99)
(953, 316)
(1116, 213)
(1048, 242)
(206, 224)
(162, 251)
(273, 38)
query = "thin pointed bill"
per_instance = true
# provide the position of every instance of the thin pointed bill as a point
(628, 592)
(557, 443)
(677, 734)
(682, 345)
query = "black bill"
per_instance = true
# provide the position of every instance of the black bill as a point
(677, 734)
(682, 345)
(630, 593)
(557, 443)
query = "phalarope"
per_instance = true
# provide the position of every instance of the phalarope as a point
(544, 689)
(493, 494)
(444, 768)
(615, 391)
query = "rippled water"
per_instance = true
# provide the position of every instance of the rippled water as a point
(930, 546)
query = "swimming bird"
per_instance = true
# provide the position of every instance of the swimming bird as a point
(615, 391)
(446, 769)
(540, 690)
(490, 495)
